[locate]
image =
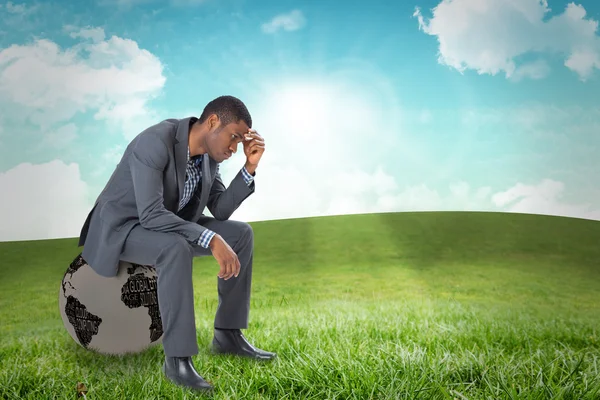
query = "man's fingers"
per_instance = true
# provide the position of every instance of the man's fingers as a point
(229, 266)
(232, 269)
(224, 271)
(229, 270)
(255, 147)
(225, 275)
(252, 142)
(253, 135)
(256, 143)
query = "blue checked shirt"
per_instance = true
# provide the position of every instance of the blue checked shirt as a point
(193, 176)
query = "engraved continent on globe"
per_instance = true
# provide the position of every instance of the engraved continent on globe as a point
(85, 323)
(140, 291)
(112, 315)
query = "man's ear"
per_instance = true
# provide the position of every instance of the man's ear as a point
(214, 121)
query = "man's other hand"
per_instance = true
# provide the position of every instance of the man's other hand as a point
(225, 256)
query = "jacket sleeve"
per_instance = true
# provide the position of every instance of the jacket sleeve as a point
(148, 160)
(222, 201)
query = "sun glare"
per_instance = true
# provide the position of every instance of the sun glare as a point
(302, 107)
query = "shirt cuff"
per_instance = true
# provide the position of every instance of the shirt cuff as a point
(247, 177)
(205, 238)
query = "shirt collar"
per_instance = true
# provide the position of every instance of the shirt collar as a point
(197, 159)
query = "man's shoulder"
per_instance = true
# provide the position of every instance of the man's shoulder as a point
(164, 130)
(165, 126)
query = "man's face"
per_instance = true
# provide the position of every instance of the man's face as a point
(223, 142)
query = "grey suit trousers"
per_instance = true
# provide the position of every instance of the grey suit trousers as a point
(172, 256)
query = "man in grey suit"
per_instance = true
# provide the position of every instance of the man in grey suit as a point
(151, 212)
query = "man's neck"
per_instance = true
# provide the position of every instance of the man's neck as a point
(194, 136)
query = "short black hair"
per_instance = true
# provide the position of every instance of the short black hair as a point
(229, 109)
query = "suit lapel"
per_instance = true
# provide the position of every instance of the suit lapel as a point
(181, 146)
(206, 180)
(208, 167)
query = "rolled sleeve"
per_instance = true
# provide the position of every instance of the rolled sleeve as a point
(205, 238)
(247, 177)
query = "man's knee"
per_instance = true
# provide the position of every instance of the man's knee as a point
(246, 231)
(239, 233)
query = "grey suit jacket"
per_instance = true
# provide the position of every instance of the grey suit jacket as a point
(145, 189)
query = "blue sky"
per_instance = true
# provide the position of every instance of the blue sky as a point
(430, 105)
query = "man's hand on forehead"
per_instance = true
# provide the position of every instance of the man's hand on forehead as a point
(251, 135)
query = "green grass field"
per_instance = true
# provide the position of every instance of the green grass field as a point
(383, 306)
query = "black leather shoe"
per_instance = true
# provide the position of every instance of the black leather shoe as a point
(181, 371)
(231, 341)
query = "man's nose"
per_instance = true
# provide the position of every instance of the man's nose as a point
(233, 147)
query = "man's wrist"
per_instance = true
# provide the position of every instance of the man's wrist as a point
(251, 168)
(212, 241)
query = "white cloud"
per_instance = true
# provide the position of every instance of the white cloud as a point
(544, 198)
(534, 70)
(21, 9)
(111, 78)
(488, 36)
(108, 160)
(460, 197)
(51, 85)
(583, 61)
(42, 201)
(59, 138)
(17, 17)
(288, 193)
(95, 34)
(291, 21)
